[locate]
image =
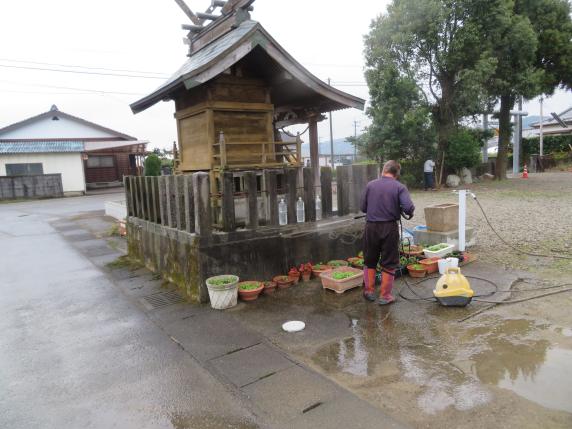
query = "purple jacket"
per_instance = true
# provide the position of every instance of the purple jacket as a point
(384, 199)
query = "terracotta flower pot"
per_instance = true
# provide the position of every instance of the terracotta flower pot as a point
(430, 265)
(319, 269)
(294, 277)
(415, 272)
(269, 288)
(283, 282)
(306, 276)
(414, 250)
(250, 294)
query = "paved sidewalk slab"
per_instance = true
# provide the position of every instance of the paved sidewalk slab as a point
(102, 261)
(75, 236)
(211, 335)
(344, 411)
(176, 313)
(287, 394)
(252, 364)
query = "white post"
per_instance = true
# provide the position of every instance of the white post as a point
(541, 121)
(516, 147)
(462, 218)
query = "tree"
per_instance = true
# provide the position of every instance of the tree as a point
(152, 165)
(401, 128)
(440, 46)
(533, 48)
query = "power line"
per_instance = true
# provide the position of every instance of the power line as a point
(95, 91)
(79, 72)
(9, 91)
(84, 67)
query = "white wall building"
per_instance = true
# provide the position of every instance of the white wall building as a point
(68, 164)
(83, 152)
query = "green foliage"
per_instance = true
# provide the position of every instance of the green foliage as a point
(249, 285)
(551, 145)
(465, 148)
(402, 128)
(152, 165)
(342, 275)
(166, 157)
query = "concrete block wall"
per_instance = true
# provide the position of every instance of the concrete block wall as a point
(34, 186)
(188, 260)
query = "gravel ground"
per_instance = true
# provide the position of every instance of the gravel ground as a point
(533, 214)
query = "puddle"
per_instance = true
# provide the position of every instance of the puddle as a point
(512, 357)
(550, 385)
(386, 349)
(446, 369)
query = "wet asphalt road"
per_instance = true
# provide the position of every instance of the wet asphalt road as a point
(75, 353)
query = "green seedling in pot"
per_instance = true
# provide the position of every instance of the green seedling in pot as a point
(250, 286)
(342, 275)
(223, 281)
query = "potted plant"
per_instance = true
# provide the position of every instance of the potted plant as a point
(336, 263)
(249, 290)
(431, 265)
(412, 250)
(223, 291)
(320, 268)
(416, 270)
(294, 275)
(438, 250)
(458, 254)
(269, 287)
(341, 279)
(356, 262)
(306, 270)
(283, 282)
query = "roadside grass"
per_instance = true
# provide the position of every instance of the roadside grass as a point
(125, 262)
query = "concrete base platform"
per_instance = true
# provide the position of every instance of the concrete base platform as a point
(450, 237)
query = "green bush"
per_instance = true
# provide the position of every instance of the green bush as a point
(552, 145)
(152, 165)
(464, 149)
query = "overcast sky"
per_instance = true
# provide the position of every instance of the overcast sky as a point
(145, 36)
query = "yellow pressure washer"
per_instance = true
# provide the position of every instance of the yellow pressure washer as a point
(453, 289)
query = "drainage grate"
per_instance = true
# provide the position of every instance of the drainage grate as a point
(162, 299)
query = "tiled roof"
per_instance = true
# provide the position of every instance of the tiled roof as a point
(41, 147)
(54, 111)
(217, 56)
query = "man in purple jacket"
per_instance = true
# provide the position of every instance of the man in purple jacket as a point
(383, 201)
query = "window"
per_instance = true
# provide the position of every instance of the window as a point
(24, 169)
(100, 161)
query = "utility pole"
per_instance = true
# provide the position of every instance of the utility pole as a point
(331, 135)
(355, 140)
(541, 121)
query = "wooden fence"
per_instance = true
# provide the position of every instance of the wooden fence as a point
(247, 199)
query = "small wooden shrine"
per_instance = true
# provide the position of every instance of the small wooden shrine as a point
(238, 88)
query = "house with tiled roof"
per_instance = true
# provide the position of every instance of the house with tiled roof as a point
(87, 155)
(560, 124)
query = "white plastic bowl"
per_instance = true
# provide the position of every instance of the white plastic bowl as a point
(293, 326)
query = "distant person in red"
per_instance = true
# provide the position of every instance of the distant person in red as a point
(383, 201)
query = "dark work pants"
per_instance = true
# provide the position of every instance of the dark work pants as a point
(380, 244)
(428, 179)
